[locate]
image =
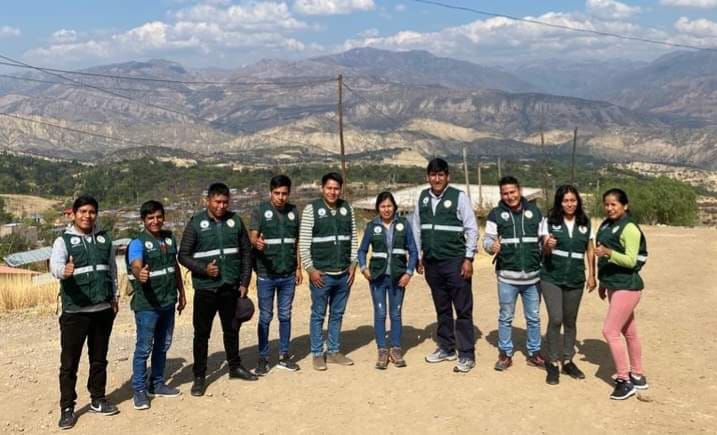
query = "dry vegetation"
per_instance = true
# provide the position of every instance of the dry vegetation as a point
(26, 205)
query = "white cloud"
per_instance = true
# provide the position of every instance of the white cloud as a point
(63, 36)
(7, 31)
(700, 27)
(332, 7)
(369, 33)
(611, 9)
(400, 7)
(704, 4)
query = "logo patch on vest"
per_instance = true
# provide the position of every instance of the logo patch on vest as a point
(168, 241)
(505, 215)
(557, 228)
(291, 216)
(149, 245)
(529, 214)
(377, 230)
(322, 212)
(268, 214)
(75, 241)
(399, 226)
(343, 211)
(231, 223)
(614, 230)
(447, 203)
(204, 224)
(583, 229)
(101, 239)
(425, 201)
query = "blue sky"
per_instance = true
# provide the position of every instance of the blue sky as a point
(226, 33)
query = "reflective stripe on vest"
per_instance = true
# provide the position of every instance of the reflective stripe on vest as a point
(288, 241)
(451, 228)
(159, 272)
(87, 269)
(567, 254)
(214, 252)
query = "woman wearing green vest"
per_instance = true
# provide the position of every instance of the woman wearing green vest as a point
(393, 260)
(562, 278)
(621, 251)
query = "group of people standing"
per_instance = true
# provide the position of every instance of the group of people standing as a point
(533, 256)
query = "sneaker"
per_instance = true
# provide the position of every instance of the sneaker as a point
(319, 363)
(240, 372)
(68, 418)
(286, 363)
(573, 371)
(553, 376)
(623, 390)
(103, 407)
(338, 358)
(464, 365)
(382, 361)
(140, 399)
(396, 357)
(163, 390)
(440, 355)
(639, 381)
(262, 367)
(504, 361)
(535, 360)
(198, 387)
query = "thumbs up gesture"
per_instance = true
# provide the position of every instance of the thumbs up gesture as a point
(213, 269)
(144, 274)
(69, 268)
(551, 242)
(496, 246)
(260, 243)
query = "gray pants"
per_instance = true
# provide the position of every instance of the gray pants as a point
(562, 304)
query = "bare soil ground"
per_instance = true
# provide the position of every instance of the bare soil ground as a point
(26, 205)
(675, 318)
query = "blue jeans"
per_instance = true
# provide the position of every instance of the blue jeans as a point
(284, 290)
(380, 288)
(154, 335)
(507, 296)
(334, 295)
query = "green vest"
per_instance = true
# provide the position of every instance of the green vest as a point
(161, 289)
(91, 283)
(565, 266)
(442, 234)
(280, 231)
(217, 240)
(331, 236)
(519, 237)
(611, 275)
(380, 250)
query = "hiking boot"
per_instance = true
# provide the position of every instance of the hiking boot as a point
(338, 358)
(239, 372)
(68, 418)
(396, 357)
(535, 360)
(163, 390)
(440, 355)
(638, 381)
(319, 362)
(464, 365)
(382, 361)
(553, 376)
(286, 363)
(504, 361)
(140, 399)
(623, 390)
(103, 407)
(573, 371)
(198, 387)
(262, 367)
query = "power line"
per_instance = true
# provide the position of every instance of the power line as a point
(28, 79)
(564, 27)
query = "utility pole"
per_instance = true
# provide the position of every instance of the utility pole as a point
(465, 171)
(544, 165)
(499, 170)
(341, 128)
(575, 145)
(480, 186)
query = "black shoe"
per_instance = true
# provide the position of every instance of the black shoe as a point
(198, 387)
(240, 372)
(262, 367)
(639, 383)
(103, 407)
(573, 371)
(286, 363)
(553, 377)
(68, 418)
(623, 390)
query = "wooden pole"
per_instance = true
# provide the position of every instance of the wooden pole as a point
(341, 128)
(480, 186)
(499, 169)
(545, 166)
(465, 171)
(575, 145)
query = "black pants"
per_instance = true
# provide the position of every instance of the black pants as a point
(74, 329)
(562, 304)
(206, 305)
(450, 291)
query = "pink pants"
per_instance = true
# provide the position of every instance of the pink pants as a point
(621, 320)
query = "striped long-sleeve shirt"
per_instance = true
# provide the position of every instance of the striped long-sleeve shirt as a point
(306, 232)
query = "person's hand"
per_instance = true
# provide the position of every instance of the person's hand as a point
(144, 274)
(115, 305)
(316, 279)
(495, 248)
(69, 268)
(352, 276)
(550, 242)
(404, 280)
(602, 251)
(602, 291)
(260, 243)
(243, 291)
(299, 278)
(419, 266)
(467, 269)
(181, 303)
(212, 269)
(592, 284)
(366, 274)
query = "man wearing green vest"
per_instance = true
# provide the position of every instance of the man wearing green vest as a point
(215, 248)
(446, 235)
(512, 234)
(328, 244)
(157, 287)
(274, 232)
(83, 259)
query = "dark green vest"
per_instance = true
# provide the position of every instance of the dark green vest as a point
(331, 236)
(280, 231)
(442, 234)
(611, 275)
(380, 250)
(91, 283)
(217, 240)
(519, 237)
(161, 289)
(565, 266)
